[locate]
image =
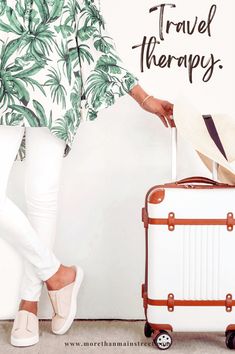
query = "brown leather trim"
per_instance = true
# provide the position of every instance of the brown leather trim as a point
(161, 326)
(183, 184)
(230, 327)
(157, 196)
(188, 221)
(200, 179)
(145, 217)
(163, 302)
(229, 302)
(142, 289)
(194, 186)
(170, 302)
(144, 296)
(171, 221)
(230, 221)
(186, 184)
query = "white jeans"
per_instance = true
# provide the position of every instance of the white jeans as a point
(33, 234)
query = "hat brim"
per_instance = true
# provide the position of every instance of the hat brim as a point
(191, 126)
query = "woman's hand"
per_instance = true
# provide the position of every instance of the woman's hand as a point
(163, 109)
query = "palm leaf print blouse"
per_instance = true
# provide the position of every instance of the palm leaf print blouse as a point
(56, 56)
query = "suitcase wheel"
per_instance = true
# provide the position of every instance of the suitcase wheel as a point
(230, 340)
(163, 340)
(148, 330)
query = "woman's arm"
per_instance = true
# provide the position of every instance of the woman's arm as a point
(163, 109)
(103, 72)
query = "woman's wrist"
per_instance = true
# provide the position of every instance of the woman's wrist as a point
(145, 99)
(139, 95)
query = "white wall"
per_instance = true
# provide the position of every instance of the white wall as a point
(118, 157)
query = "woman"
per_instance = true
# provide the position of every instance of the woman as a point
(56, 57)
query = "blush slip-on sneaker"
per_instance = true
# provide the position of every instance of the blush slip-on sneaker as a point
(25, 330)
(64, 303)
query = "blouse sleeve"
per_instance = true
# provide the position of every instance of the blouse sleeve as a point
(104, 76)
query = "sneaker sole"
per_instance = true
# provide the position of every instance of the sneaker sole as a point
(73, 307)
(24, 342)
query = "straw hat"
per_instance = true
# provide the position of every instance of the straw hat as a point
(191, 126)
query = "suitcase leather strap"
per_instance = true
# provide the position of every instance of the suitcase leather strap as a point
(171, 302)
(172, 221)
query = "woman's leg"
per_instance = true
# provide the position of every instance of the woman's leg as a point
(14, 225)
(44, 158)
(10, 139)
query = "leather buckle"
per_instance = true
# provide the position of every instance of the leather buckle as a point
(229, 302)
(171, 221)
(170, 302)
(145, 217)
(230, 221)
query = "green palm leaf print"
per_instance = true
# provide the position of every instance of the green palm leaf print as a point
(31, 117)
(83, 51)
(108, 64)
(56, 10)
(92, 14)
(8, 50)
(58, 91)
(43, 10)
(102, 45)
(40, 113)
(86, 32)
(65, 59)
(70, 8)
(13, 20)
(39, 41)
(11, 118)
(56, 58)
(99, 86)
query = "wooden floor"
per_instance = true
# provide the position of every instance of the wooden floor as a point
(110, 336)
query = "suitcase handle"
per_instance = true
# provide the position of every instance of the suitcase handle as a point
(200, 179)
(174, 144)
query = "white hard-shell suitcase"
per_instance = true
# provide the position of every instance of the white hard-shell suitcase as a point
(190, 257)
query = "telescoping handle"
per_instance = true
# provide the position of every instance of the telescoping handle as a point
(173, 154)
(174, 144)
(214, 170)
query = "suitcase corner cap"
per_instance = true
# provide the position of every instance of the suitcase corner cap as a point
(157, 196)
